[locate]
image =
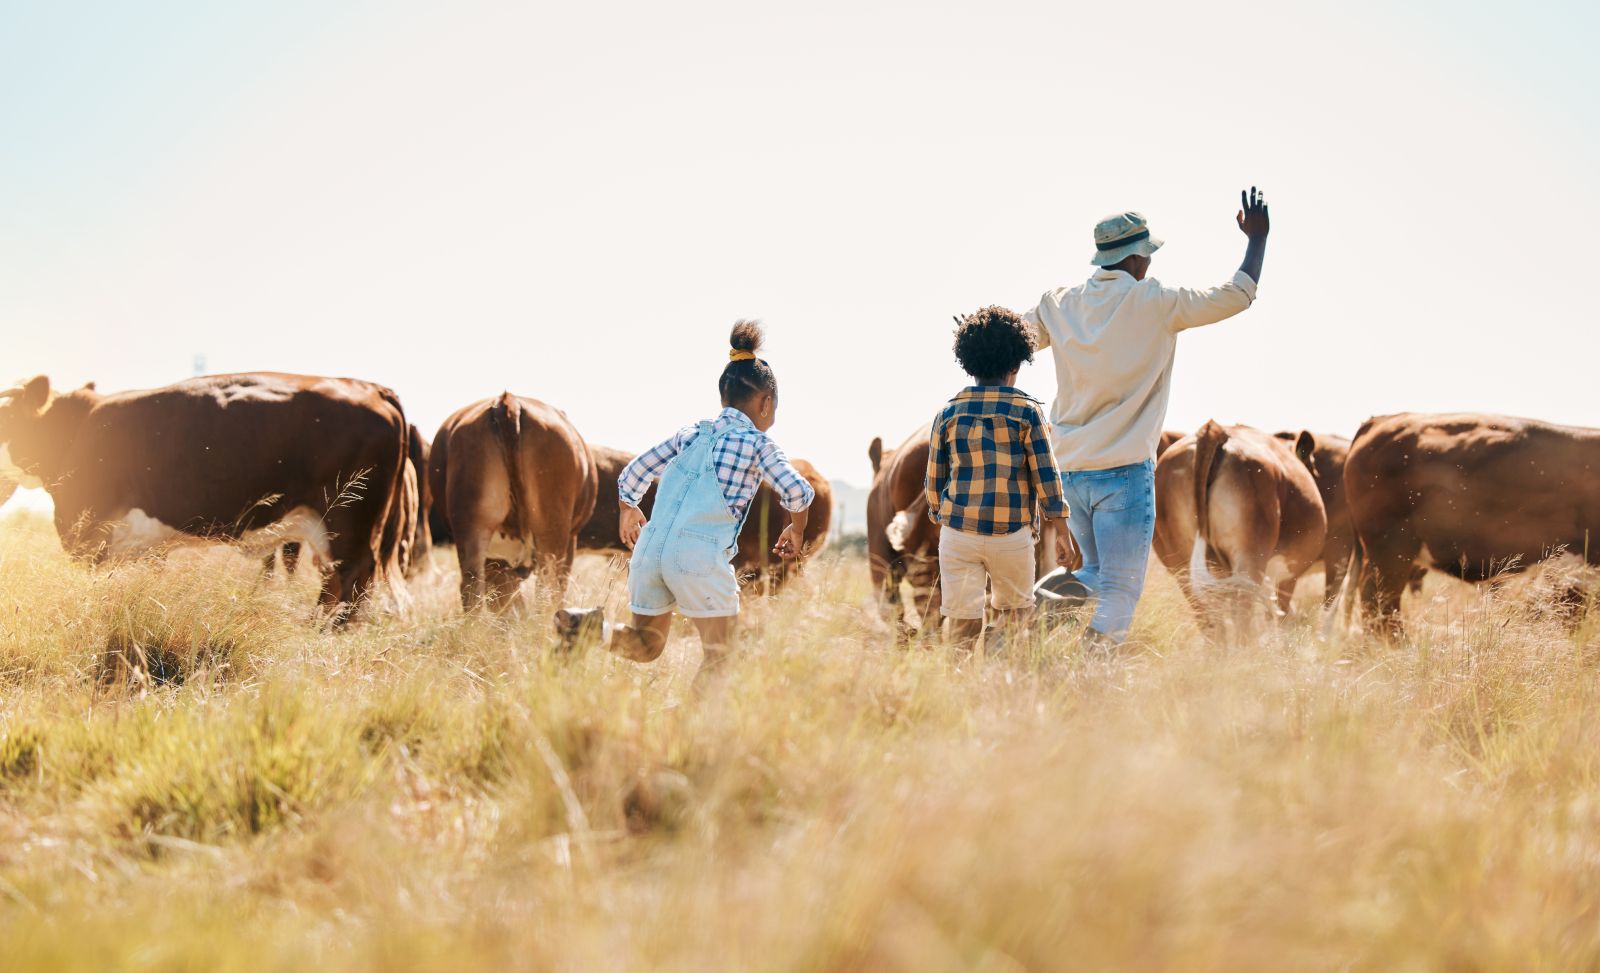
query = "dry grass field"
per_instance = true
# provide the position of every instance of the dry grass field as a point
(195, 776)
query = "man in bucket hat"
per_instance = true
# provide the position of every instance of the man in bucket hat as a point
(1112, 340)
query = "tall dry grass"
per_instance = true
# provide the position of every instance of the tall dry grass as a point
(197, 774)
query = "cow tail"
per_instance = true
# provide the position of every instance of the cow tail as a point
(1208, 442)
(904, 522)
(390, 537)
(505, 418)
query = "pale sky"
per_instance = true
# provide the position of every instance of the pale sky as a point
(575, 201)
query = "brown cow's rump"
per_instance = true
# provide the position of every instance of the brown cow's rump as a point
(515, 483)
(1468, 494)
(1235, 510)
(254, 457)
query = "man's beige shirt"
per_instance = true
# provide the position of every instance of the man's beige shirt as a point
(1113, 340)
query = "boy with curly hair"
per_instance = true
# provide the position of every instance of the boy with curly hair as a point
(989, 467)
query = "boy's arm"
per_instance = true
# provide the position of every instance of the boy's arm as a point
(1042, 466)
(635, 479)
(938, 468)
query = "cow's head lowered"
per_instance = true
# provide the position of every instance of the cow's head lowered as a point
(36, 428)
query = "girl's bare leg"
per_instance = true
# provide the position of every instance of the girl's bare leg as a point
(643, 639)
(716, 635)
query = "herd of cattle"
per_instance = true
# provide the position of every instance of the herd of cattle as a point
(331, 468)
(1242, 515)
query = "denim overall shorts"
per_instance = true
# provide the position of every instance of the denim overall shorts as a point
(684, 557)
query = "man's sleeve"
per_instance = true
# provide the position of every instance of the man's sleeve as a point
(1041, 335)
(938, 468)
(1042, 465)
(1187, 308)
(635, 479)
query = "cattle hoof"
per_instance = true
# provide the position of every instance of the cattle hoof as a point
(579, 626)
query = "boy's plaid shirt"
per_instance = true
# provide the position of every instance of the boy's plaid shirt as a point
(989, 463)
(742, 460)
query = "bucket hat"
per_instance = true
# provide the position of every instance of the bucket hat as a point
(1123, 235)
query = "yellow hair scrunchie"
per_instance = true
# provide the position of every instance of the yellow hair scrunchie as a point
(738, 355)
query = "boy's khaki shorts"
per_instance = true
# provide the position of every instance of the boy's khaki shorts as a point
(966, 561)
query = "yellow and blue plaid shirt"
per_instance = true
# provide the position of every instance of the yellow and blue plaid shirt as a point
(989, 463)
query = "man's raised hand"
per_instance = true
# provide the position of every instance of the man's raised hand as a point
(1253, 221)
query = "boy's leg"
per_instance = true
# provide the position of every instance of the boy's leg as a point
(644, 639)
(961, 585)
(1011, 564)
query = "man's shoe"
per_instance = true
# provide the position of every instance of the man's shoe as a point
(1058, 594)
(579, 626)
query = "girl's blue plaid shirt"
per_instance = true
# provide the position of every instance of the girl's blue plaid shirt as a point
(742, 460)
(990, 464)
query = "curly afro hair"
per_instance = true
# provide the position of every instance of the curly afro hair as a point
(991, 342)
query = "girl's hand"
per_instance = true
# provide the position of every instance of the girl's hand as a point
(630, 521)
(791, 544)
(1067, 553)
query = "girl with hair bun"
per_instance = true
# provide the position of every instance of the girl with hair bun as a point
(709, 473)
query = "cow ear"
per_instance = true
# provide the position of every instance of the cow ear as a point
(1305, 448)
(87, 387)
(31, 395)
(875, 453)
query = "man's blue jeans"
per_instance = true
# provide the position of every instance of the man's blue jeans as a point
(1113, 520)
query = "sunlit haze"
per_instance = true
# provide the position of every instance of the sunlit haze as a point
(574, 202)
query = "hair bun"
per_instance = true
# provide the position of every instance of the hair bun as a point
(747, 335)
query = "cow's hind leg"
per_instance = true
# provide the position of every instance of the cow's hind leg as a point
(470, 553)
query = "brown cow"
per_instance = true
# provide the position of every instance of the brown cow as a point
(1472, 495)
(1168, 437)
(516, 483)
(1237, 509)
(755, 558)
(902, 543)
(251, 457)
(755, 562)
(1327, 454)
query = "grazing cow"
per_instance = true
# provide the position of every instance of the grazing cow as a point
(1472, 495)
(755, 561)
(1327, 454)
(601, 532)
(252, 457)
(1237, 509)
(516, 483)
(765, 522)
(902, 543)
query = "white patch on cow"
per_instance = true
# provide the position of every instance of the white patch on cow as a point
(11, 471)
(899, 530)
(301, 524)
(515, 551)
(1277, 571)
(1200, 575)
(136, 532)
